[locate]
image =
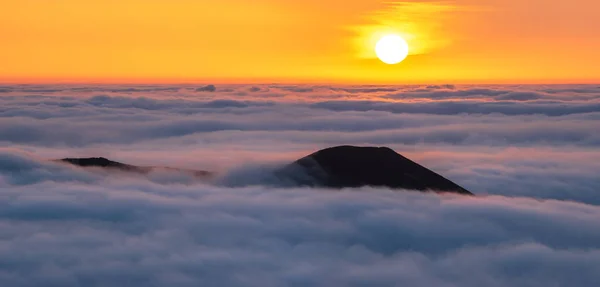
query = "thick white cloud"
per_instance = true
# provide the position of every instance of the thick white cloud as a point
(529, 152)
(129, 232)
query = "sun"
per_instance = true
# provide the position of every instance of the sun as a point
(391, 49)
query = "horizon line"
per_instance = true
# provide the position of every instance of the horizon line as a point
(267, 81)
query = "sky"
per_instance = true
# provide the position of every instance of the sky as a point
(324, 41)
(529, 153)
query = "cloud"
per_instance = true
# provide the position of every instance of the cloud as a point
(520, 96)
(155, 235)
(530, 153)
(37, 119)
(465, 107)
(209, 88)
(550, 142)
(449, 87)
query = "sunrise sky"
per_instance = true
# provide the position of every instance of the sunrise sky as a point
(461, 41)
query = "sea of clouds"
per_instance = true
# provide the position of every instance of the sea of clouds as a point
(530, 153)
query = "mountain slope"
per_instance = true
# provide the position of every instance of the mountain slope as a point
(101, 162)
(349, 166)
(336, 167)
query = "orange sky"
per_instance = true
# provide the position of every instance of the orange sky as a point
(461, 41)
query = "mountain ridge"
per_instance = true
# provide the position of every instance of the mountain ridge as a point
(352, 166)
(101, 162)
(335, 167)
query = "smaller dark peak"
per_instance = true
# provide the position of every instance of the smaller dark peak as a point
(104, 163)
(98, 162)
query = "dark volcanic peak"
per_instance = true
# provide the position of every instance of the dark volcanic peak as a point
(349, 166)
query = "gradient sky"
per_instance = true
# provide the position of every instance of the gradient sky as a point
(459, 41)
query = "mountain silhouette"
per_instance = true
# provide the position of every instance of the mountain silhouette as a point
(350, 166)
(336, 167)
(101, 162)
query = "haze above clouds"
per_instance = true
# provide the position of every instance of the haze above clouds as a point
(530, 153)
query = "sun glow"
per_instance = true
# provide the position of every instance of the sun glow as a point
(391, 49)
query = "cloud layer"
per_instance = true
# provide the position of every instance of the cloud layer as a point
(137, 233)
(538, 139)
(531, 153)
